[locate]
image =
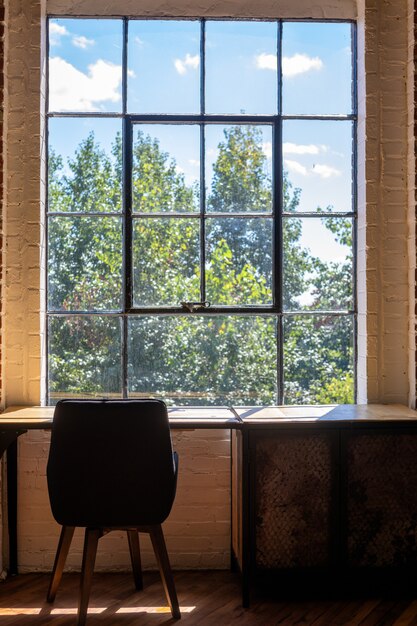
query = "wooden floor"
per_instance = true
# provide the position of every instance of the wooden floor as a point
(206, 599)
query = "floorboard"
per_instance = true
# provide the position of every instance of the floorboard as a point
(206, 599)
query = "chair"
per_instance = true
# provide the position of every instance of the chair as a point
(111, 466)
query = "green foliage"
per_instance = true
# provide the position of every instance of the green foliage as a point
(189, 358)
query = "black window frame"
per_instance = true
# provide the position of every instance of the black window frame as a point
(278, 215)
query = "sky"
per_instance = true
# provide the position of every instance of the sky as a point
(85, 75)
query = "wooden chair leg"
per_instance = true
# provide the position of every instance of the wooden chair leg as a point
(65, 539)
(158, 543)
(92, 535)
(134, 549)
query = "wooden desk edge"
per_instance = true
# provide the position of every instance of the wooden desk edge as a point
(37, 417)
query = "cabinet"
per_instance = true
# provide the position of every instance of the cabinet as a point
(323, 494)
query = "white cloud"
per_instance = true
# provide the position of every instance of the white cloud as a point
(295, 166)
(300, 64)
(267, 149)
(326, 171)
(72, 90)
(139, 41)
(82, 42)
(189, 62)
(291, 66)
(298, 148)
(266, 61)
(194, 162)
(56, 31)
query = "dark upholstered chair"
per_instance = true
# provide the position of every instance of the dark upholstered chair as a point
(111, 466)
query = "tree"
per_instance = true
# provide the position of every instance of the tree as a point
(202, 359)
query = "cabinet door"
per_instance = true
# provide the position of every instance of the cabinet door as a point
(381, 502)
(295, 515)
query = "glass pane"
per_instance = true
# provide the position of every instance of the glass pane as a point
(164, 66)
(317, 158)
(318, 360)
(203, 360)
(318, 270)
(238, 168)
(84, 357)
(241, 67)
(239, 261)
(166, 168)
(84, 165)
(84, 263)
(316, 68)
(85, 65)
(166, 258)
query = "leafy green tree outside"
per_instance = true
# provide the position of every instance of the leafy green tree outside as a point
(188, 359)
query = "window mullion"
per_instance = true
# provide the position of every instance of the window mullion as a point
(202, 163)
(278, 208)
(202, 215)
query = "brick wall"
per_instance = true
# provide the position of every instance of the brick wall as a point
(2, 34)
(384, 211)
(197, 532)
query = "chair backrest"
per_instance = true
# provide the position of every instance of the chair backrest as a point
(111, 463)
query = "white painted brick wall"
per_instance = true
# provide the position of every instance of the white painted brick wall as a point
(386, 205)
(197, 531)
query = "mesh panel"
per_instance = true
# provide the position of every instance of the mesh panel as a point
(382, 503)
(293, 495)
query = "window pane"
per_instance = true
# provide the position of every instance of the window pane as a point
(84, 165)
(84, 357)
(84, 263)
(317, 159)
(318, 263)
(318, 360)
(166, 257)
(85, 65)
(316, 68)
(164, 66)
(166, 168)
(238, 168)
(241, 67)
(239, 261)
(203, 360)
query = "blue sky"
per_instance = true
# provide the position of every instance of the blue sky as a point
(241, 77)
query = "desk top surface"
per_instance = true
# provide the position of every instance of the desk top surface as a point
(349, 413)
(40, 417)
(37, 417)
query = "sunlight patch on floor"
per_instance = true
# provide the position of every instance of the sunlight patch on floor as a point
(93, 610)
(153, 609)
(19, 611)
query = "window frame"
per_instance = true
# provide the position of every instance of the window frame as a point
(278, 215)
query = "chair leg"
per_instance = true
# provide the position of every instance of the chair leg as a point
(158, 543)
(134, 549)
(65, 539)
(92, 535)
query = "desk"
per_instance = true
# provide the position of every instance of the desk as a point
(278, 453)
(17, 420)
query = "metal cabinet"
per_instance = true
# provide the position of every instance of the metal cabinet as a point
(326, 499)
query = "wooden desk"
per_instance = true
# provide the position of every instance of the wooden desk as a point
(17, 420)
(341, 446)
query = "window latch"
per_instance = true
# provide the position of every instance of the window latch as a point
(195, 306)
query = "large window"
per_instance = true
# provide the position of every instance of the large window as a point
(201, 210)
